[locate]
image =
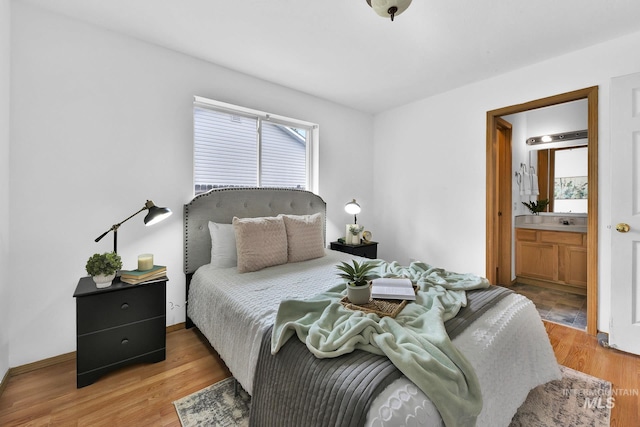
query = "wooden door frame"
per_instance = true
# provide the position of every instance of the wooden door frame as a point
(591, 95)
(505, 212)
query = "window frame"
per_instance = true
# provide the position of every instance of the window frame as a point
(312, 139)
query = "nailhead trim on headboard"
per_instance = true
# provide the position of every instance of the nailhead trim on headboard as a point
(221, 204)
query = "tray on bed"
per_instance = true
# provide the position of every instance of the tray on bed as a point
(381, 307)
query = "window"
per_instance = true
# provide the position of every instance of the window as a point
(239, 147)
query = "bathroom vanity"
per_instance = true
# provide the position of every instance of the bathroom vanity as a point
(552, 252)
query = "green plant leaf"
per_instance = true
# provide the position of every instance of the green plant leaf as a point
(106, 263)
(356, 273)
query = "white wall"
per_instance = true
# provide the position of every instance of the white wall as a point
(100, 123)
(5, 37)
(433, 156)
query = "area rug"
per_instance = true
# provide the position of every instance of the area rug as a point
(216, 405)
(577, 400)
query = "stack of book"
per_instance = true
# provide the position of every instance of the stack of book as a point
(135, 277)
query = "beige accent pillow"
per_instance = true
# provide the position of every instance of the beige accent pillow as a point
(260, 242)
(305, 238)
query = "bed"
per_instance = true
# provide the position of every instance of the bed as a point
(507, 346)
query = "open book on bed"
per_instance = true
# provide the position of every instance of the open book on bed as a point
(392, 288)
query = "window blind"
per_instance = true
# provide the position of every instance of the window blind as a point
(248, 148)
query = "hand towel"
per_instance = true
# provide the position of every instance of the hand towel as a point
(535, 190)
(526, 183)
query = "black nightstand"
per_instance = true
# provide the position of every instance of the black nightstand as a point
(366, 250)
(118, 326)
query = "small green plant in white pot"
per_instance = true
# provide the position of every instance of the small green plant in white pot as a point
(103, 267)
(358, 277)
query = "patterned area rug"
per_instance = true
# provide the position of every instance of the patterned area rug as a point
(577, 400)
(216, 405)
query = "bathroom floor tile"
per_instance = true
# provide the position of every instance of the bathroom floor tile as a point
(556, 306)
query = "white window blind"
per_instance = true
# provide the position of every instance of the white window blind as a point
(235, 146)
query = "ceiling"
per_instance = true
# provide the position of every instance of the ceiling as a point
(342, 51)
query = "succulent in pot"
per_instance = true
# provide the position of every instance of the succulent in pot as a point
(103, 267)
(358, 277)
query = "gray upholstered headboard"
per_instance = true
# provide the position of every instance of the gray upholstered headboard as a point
(221, 205)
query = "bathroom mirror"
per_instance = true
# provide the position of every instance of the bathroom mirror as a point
(563, 176)
(554, 141)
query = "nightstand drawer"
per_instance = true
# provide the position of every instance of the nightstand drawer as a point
(366, 250)
(119, 344)
(110, 309)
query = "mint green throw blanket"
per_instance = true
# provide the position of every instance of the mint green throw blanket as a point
(415, 341)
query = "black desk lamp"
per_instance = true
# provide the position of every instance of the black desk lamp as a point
(154, 216)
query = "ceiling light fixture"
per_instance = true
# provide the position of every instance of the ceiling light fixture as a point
(389, 8)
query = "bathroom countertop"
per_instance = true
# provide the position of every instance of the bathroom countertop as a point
(554, 227)
(553, 222)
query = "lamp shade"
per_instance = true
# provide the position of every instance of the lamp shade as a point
(389, 8)
(156, 214)
(352, 207)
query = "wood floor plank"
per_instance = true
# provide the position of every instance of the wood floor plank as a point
(577, 350)
(143, 395)
(138, 395)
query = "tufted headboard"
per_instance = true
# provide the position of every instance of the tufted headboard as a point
(221, 205)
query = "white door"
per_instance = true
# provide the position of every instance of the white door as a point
(624, 333)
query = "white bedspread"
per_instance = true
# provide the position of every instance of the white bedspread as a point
(508, 346)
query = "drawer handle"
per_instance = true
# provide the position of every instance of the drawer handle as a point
(125, 341)
(124, 306)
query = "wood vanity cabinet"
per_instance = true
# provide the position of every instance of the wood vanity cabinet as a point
(546, 257)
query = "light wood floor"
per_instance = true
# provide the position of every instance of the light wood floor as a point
(139, 395)
(142, 395)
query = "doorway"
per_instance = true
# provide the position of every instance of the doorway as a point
(496, 219)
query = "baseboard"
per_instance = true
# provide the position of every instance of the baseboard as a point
(29, 367)
(176, 327)
(44, 363)
(3, 383)
(551, 285)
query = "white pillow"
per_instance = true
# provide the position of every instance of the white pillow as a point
(260, 242)
(223, 245)
(305, 239)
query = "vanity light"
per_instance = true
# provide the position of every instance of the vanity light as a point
(557, 137)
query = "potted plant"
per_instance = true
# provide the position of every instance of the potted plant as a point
(102, 268)
(358, 277)
(536, 207)
(353, 234)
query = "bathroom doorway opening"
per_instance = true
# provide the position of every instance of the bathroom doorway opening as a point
(497, 251)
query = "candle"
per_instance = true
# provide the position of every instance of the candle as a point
(145, 262)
